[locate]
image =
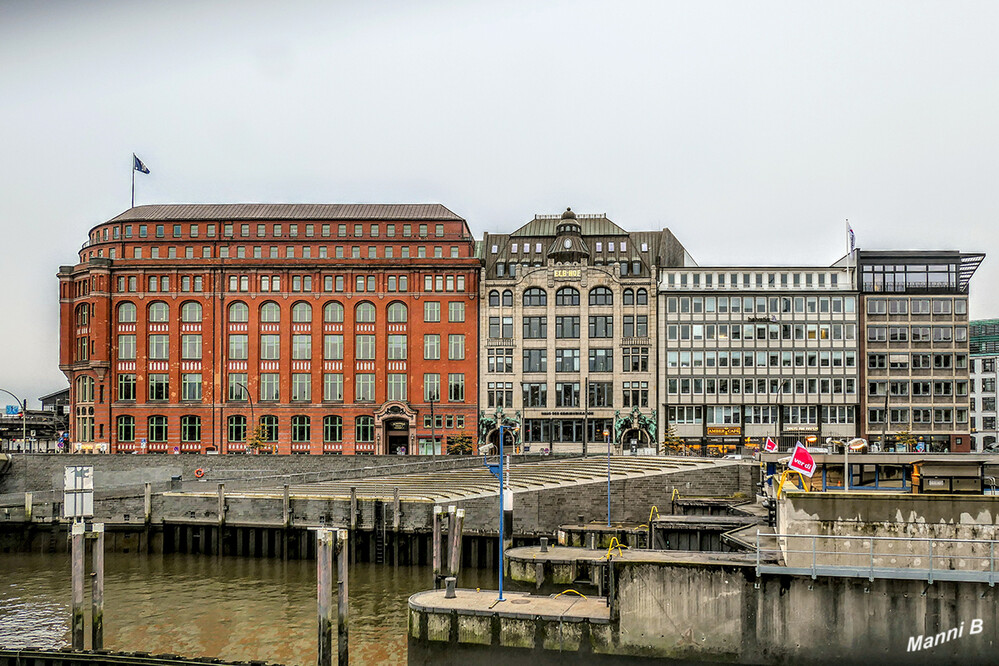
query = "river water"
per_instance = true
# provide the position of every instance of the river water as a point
(230, 608)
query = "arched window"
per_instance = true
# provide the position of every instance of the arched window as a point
(642, 297)
(494, 298)
(126, 313)
(535, 296)
(333, 313)
(397, 313)
(365, 313)
(239, 313)
(301, 429)
(157, 429)
(270, 313)
(567, 296)
(237, 428)
(507, 298)
(629, 296)
(159, 312)
(364, 429)
(301, 313)
(126, 428)
(332, 429)
(82, 315)
(190, 312)
(601, 296)
(269, 428)
(84, 389)
(190, 428)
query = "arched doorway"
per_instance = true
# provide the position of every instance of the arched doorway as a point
(396, 436)
(634, 438)
(509, 441)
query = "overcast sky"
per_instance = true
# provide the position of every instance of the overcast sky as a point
(751, 129)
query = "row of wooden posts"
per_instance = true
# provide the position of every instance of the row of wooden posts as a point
(332, 554)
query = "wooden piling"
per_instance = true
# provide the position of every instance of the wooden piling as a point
(446, 544)
(395, 527)
(286, 521)
(97, 590)
(28, 501)
(455, 543)
(78, 554)
(436, 546)
(324, 578)
(221, 510)
(342, 652)
(353, 524)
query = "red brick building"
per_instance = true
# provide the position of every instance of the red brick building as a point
(334, 328)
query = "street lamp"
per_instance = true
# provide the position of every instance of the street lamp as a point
(607, 437)
(250, 401)
(24, 418)
(497, 471)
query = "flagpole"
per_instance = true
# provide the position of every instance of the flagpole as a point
(133, 180)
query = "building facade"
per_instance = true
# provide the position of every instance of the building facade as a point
(984, 345)
(302, 328)
(754, 352)
(914, 313)
(568, 321)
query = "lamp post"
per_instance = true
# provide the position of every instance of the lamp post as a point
(253, 421)
(24, 418)
(607, 438)
(498, 471)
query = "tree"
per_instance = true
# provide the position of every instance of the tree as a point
(671, 443)
(459, 445)
(256, 439)
(907, 439)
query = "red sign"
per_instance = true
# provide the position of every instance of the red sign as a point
(802, 461)
(770, 446)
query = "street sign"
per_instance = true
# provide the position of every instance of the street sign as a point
(78, 498)
(13, 410)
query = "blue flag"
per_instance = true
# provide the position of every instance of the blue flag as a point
(138, 165)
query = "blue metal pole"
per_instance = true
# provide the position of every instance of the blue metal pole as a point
(608, 478)
(501, 516)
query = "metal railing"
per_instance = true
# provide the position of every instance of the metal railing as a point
(910, 558)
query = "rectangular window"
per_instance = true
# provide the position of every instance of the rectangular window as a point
(456, 387)
(270, 347)
(238, 390)
(301, 387)
(431, 346)
(126, 347)
(566, 327)
(301, 347)
(364, 347)
(190, 386)
(333, 387)
(567, 394)
(601, 360)
(364, 387)
(159, 347)
(456, 347)
(601, 326)
(270, 387)
(432, 311)
(535, 360)
(535, 327)
(159, 386)
(456, 311)
(566, 360)
(396, 386)
(431, 387)
(190, 347)
(535, 394)
(126, 387)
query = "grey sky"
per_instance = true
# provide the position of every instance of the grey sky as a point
(750, 129)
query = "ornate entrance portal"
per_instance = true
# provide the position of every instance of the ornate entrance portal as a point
(395, 423)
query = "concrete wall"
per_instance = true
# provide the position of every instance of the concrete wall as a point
(708, 613)
(907, 517)
(43, 472)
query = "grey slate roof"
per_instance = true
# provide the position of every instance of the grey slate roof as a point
(590, 225)
(237, 212)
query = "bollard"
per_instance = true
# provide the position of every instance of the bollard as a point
(544, 544)
(27, 507)
(455, 546)
(97, 590)
(449, 584)
(343, 655)
(78, 554)
(324, 578)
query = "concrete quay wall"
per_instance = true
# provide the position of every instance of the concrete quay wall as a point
(718, 614)
(906, 517)
(40, 473)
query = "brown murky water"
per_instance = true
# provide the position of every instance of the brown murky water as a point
(230, 608)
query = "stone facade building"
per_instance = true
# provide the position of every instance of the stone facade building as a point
(568, 322)
(756, 352)
(914, 313)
